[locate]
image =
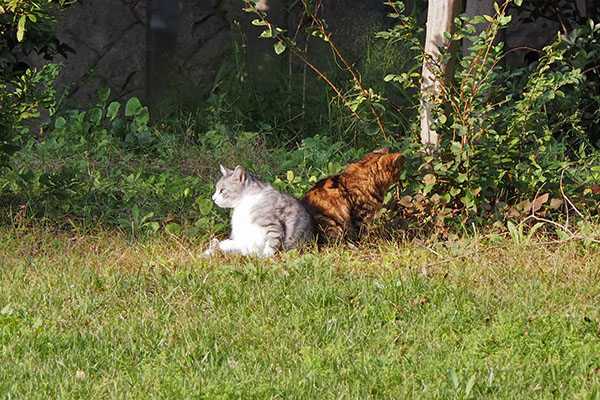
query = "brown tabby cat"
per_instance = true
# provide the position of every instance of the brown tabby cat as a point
(343, 204)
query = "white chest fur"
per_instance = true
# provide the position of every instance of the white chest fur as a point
(243, 231)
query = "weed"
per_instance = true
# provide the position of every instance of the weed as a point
(93, 314)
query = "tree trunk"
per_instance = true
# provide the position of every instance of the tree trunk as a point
(440, 16)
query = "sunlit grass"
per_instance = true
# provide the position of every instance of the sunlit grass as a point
(95, 315)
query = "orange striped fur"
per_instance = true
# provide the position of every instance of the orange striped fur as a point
(343, 204)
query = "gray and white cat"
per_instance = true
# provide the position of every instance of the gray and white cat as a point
(263, 220)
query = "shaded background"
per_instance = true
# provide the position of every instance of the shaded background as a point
(178, 55)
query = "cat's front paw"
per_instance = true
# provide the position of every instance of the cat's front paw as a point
(212, 247)
(268, 252)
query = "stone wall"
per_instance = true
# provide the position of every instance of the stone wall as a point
(110, 37)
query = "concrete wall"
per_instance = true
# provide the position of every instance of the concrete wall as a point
(110, 38)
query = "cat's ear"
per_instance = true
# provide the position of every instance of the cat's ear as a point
(399, 159)
(239, 174)
(225, 170)
(384, 150)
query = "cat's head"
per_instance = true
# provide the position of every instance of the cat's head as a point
(230, 188)
(380, 165)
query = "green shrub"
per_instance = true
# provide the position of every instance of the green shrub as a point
(26, 27)
(512, 141)
(506, 137)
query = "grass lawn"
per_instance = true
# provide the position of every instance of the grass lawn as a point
(94, 315)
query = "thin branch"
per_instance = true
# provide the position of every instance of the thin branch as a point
(590, 69)
(572, 235)
(326, 79)
(348, 68)
(504, 56)
(298, 54)
(562, 174)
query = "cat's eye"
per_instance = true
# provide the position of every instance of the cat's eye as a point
(221, 191)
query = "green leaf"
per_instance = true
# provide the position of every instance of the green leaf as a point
(133, 107)
(470, 384)
(467, 200)
(534, 229)
(155, 226)
(173, 228)
(202, 223)
(461, 177)
(290, 176)
(142, 116)
(267, 33)
(60, 122)
(279, 47)
(21, 28)
(453, 378)
(144, 137)
(206, 206)
(95, 116)
(135, 211)
(258, 22)
(113, 110)
(192, 232)
(103, 94)
(147, 217)
(562, 235)
(514, 233)
(455, 147)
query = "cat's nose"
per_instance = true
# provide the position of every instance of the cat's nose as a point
(214, 197)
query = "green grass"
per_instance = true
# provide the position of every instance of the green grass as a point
(150, 319)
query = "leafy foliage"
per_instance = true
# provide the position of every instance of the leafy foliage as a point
(108, 166)
(363, 102)
(505, 136)
(581, 51)
(513, 141)
(99, 166)
(26, 27)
